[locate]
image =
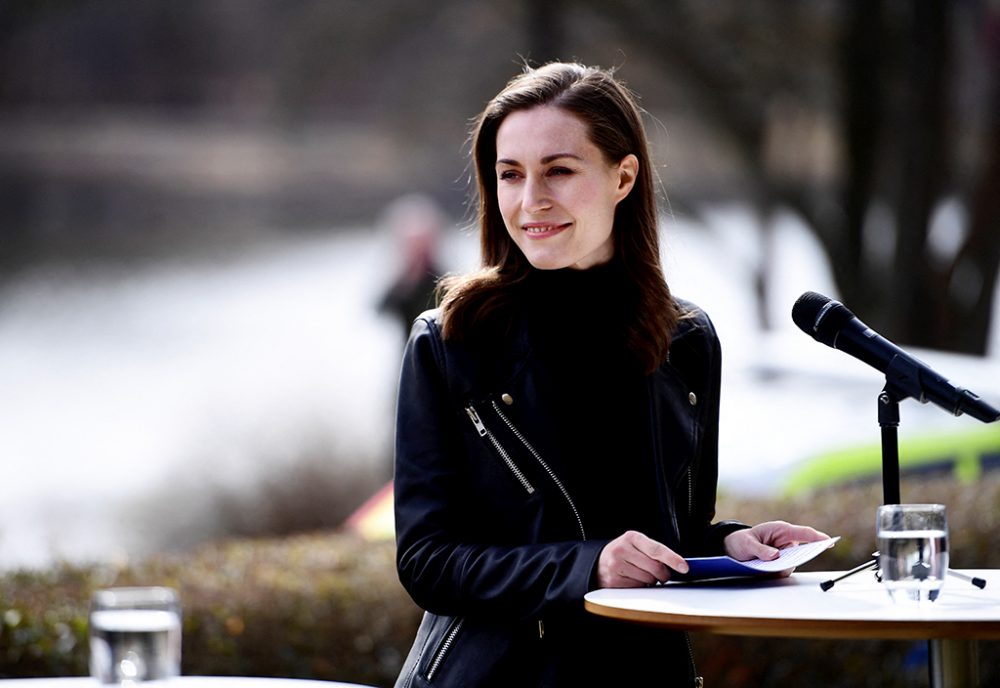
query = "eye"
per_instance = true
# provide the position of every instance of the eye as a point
(559, 171)
(507, 175)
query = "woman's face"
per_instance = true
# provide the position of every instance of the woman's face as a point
(556, 191)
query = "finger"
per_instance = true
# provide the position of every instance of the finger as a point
(781, 534)
(624, 574)
(622, 564)
(660, 553)
(632, 550)
(637, 575)
(807, 534)
(759, 550)
(646, 569)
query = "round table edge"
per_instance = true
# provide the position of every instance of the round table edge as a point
(886, 629)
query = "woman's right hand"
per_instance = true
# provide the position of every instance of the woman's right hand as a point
(633, 560)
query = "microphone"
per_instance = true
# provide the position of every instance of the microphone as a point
(831, 323)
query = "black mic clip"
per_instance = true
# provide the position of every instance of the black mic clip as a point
(902, 380)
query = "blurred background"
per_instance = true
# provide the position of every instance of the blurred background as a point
(204, 207)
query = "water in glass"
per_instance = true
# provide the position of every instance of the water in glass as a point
(913, 550)
(135, 636)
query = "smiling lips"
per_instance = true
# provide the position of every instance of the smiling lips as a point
(540, 231)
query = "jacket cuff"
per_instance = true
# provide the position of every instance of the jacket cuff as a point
(593, 552)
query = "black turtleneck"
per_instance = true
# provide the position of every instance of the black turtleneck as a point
(577, 321)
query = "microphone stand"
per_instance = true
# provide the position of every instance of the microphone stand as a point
(949, 657)
(888, 420)
(902, 380)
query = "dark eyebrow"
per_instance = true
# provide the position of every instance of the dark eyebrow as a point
(545, 161)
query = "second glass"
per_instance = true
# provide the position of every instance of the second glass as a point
(913, 550)
(135, 635)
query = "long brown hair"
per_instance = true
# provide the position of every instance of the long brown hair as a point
(614, 123)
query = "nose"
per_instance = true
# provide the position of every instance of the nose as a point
(536, 195)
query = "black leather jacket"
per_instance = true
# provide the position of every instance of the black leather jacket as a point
(489, 541)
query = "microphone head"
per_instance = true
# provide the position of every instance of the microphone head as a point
(820, 317)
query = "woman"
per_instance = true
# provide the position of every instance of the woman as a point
(558, 415)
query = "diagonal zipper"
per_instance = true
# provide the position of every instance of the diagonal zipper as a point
(443, 650)
(545, 466)
(484, 432)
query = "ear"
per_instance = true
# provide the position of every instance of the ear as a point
(628, 172)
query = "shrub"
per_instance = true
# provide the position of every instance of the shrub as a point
(310, 606)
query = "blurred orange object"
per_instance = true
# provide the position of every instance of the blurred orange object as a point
(373, 520)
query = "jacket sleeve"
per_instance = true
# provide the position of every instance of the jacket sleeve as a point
(439, 560)
(705, 536)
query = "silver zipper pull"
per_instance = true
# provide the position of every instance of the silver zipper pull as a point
(474, 417)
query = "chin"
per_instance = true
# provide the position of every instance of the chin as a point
(548, 264)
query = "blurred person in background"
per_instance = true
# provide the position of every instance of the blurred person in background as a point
(416, 224)
(557, 422)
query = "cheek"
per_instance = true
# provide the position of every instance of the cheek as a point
(606, 202)
(507, 205)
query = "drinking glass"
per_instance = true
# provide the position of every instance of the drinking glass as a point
(135, 635)
(913, 550)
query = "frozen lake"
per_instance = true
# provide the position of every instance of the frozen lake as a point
(130, 394)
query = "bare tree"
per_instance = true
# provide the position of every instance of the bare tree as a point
(894, 108)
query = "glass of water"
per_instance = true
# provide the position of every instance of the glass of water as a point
(135, 635)
(913, 550)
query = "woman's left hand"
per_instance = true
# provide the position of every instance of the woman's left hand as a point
(765, 540)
